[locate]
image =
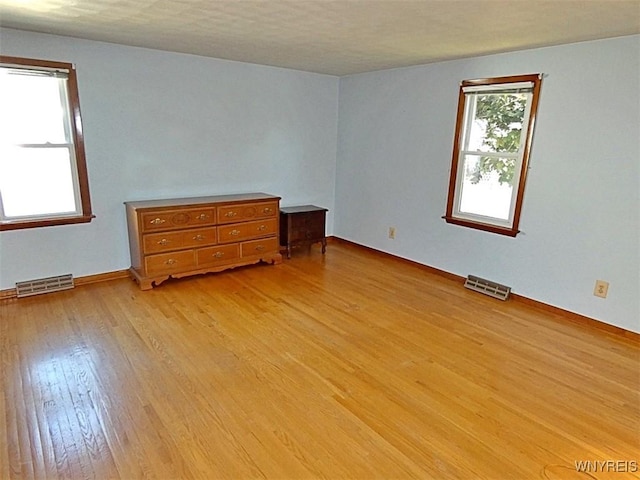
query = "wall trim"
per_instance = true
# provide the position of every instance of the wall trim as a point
(77, 282)
(102, 277)
(565, 315)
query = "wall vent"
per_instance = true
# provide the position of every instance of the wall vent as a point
(44, 285)
(487, 287)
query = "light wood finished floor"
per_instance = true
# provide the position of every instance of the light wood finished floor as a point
(352, 365)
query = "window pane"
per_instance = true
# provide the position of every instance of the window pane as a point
(496, 122)
(33, 110)
(482, 191)
(36, 181)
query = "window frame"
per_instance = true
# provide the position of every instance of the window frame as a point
(77, 136)
(452, 215)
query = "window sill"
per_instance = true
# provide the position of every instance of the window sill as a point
(21, 225)
(510, 232)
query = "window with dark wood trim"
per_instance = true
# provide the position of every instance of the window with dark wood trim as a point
(494, 131)
(43, 172)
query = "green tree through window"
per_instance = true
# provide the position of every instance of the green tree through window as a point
(503, 115)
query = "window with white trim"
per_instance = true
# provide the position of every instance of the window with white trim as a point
(43, 175)
(494, 130)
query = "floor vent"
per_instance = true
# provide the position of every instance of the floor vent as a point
(487, 287)
(44, 285)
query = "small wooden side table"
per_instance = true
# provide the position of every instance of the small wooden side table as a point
(302, 225)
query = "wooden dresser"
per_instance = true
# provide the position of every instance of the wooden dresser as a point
(188, 236)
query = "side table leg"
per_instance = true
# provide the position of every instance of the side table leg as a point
(324, 245)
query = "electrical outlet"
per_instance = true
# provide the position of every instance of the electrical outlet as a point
(392, 232)
(601, 289)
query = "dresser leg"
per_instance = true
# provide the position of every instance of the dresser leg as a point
(289, 251)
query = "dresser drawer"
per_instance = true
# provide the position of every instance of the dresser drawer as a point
(169, 262)
(199, 237)
(259, 247)
(168, 241)
(309, 221)
(298, 234)
(242, 212)
(248, 230)
(174, 219)
(161, 242)
(217, 254)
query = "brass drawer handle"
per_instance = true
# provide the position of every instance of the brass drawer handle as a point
(260, 248)
(234, 232)
(157, 221)
(218, 254)
(267, 210)
(164, 241)
(202, 216)
(262, 228)
(199, 238)
(230, 214)
(171, 261)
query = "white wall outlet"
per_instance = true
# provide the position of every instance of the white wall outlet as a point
(392, 232)
(601, 289)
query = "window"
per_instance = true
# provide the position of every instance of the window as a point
(494, 129)
(43, 175)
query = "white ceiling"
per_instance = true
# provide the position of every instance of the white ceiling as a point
(336, 37)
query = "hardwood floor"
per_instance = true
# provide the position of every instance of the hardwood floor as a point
(350, 365)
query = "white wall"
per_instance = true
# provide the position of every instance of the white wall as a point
(160, 125)
(581, 214)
